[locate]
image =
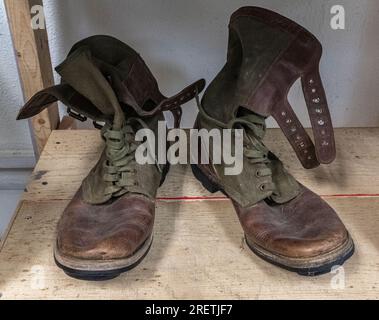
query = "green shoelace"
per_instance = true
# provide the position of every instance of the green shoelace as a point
(120, 163)
(253, 149)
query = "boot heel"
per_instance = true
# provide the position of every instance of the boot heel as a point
(207, 184)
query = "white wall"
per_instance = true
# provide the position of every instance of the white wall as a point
(184, 40)
(14, 135)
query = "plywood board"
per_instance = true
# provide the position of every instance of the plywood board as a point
(198, 252)
(69, 156)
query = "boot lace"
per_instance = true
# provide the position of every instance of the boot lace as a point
(120, 163)
(254, 150)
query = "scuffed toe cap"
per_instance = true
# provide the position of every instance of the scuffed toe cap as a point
(104, 232)
(305, 227)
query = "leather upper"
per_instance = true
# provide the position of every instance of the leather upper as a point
(302, 228)
(109, 231)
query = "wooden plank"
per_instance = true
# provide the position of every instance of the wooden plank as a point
(69, 156)
(4, 236)
(34, 65)
(198, 253)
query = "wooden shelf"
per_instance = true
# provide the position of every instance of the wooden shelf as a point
(198, 250)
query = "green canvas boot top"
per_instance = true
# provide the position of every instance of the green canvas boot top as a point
(263, 175)
(130, 79)
(267, 53)
(107, 81)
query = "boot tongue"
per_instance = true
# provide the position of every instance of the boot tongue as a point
(81, 73)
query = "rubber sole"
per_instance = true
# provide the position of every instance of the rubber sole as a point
(100, 270)
(305, 267)
(309, 267)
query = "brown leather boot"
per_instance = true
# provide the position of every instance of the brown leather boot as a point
(284, 222)
(107, 228)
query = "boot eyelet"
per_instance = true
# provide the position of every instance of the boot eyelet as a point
(258, 174)
(318, 110)
(262, 187)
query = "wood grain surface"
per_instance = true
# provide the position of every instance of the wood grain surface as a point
(198, 250)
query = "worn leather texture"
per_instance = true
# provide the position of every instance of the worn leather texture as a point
(305, 227)
(112, 230)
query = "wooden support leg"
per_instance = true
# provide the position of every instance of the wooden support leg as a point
(68, 123)
(34, 65)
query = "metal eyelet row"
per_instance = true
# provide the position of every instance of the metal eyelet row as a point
(301, 144)
(321, 122)
(317, 101)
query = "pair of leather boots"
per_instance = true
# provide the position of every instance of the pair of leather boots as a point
(107, 228)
